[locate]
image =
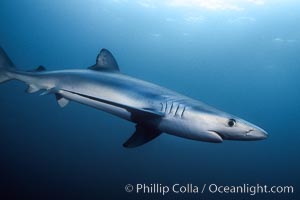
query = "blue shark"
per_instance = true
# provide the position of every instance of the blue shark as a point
(153, 109)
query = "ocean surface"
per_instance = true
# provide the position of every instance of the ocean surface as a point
(240, 56)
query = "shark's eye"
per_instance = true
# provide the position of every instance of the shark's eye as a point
(231, 122)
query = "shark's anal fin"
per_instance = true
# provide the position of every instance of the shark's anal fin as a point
(62, 102)
(142, 135)
(105, 62)
(32, 88)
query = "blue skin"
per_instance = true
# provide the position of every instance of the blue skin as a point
(153, 108)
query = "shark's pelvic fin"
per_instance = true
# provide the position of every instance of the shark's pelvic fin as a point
(142, 135)
(105, 62)
(62, 102)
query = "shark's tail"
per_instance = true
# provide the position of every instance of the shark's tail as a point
(6, 65)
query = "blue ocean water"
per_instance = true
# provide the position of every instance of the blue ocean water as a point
(238, 56)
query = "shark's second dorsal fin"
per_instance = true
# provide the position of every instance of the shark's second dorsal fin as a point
(40, 68)
(105, 62)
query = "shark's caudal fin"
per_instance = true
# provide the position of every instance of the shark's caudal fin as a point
(5, 65)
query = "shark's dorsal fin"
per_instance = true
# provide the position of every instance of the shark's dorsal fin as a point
(105, 62)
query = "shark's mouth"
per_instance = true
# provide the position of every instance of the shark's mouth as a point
(219, 134)
(216, 136)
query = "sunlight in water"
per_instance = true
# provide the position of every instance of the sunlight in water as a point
(214, 5)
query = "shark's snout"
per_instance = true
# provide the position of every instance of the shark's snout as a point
(251, 134)
(257, 134)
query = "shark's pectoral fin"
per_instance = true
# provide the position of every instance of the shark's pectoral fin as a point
(62, 102)
(142, 135)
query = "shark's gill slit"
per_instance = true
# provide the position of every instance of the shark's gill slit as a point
(166, 108)
(171, 108)
(176, 109)
(182, 111)
(162, 106)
